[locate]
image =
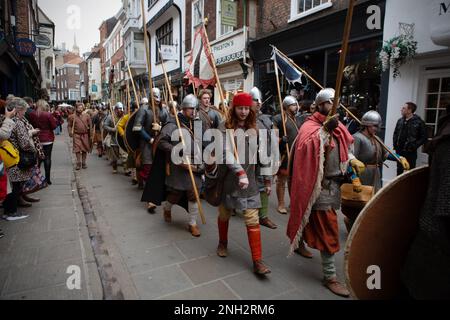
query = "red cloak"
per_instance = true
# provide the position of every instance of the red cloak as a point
(308, 167)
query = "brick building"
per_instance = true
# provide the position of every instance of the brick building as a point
(310, 33)
(19, 70)
(105, 29)
(68, 78)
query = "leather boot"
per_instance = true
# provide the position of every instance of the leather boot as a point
(281, 189)
(167, 216)
(151, 208)
(301, 250)
(223, 238)
(260, 268)
(254, 239)
(194, 230)
(222, 249)
(336, 287)
(78, 167)
(266, 222)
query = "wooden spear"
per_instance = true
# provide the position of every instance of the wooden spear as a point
(149, 62)
(340, 73)
(132, 82)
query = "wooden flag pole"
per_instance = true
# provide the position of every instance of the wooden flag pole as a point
(219, 87)
(213, 61)
(283, 115)
(191, 173)
(128, 98)
(340, 73)
(342, 106)
(149, 63)
(132, 82)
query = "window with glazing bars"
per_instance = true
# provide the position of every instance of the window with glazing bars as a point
(164, 34)
(305, 5)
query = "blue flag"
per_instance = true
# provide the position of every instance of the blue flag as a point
(291, 73)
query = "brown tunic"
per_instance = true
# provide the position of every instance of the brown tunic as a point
(80, 126)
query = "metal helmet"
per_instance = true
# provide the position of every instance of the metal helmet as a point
(289, 101)
(371, 118)
(119, 106)
(325, 95)
(190, 102)
(256, 94)
(144, 101)
(156, 94)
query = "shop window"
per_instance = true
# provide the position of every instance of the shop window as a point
(303, 8)
(437, 100)
(164, 35)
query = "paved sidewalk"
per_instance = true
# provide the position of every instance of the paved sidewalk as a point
(35, 253)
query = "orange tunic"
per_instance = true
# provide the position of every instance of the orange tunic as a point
(80, 126)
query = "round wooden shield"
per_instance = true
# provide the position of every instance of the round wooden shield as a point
(381, 236)
(131, 139)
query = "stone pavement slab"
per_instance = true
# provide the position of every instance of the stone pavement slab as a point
(36, 252)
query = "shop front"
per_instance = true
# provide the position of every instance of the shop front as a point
(316, 47)
(230, 53)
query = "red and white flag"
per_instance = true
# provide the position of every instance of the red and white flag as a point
(201, 70)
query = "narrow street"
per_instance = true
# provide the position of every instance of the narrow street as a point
(140, 256)
(154, 260)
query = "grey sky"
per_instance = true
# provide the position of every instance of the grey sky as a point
(91, 13)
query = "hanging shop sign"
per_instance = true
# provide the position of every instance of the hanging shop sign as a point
(25, 47)
(42, 41)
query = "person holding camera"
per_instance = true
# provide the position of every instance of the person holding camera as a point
(21, 139)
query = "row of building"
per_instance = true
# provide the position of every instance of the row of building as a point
(310, 32)
(241, 33)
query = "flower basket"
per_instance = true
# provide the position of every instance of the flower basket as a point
(396, 52)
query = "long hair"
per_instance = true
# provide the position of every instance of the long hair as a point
(42, 106)
(232, 120)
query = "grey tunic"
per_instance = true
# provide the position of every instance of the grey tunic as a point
(264, 122)
(109, 126)
(143, 124)
(370, 152)
(179, 178)
(233, 196)
(330, 195)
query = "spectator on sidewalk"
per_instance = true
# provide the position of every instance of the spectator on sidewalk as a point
(409, 135)
(6, 127)
(44, 121)
(21, 139)
(57, 114)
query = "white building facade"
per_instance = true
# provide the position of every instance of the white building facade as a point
(166, 22)
(426, 80)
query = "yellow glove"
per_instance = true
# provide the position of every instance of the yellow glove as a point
(405, 163)
(358, 166)
(357, 185)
